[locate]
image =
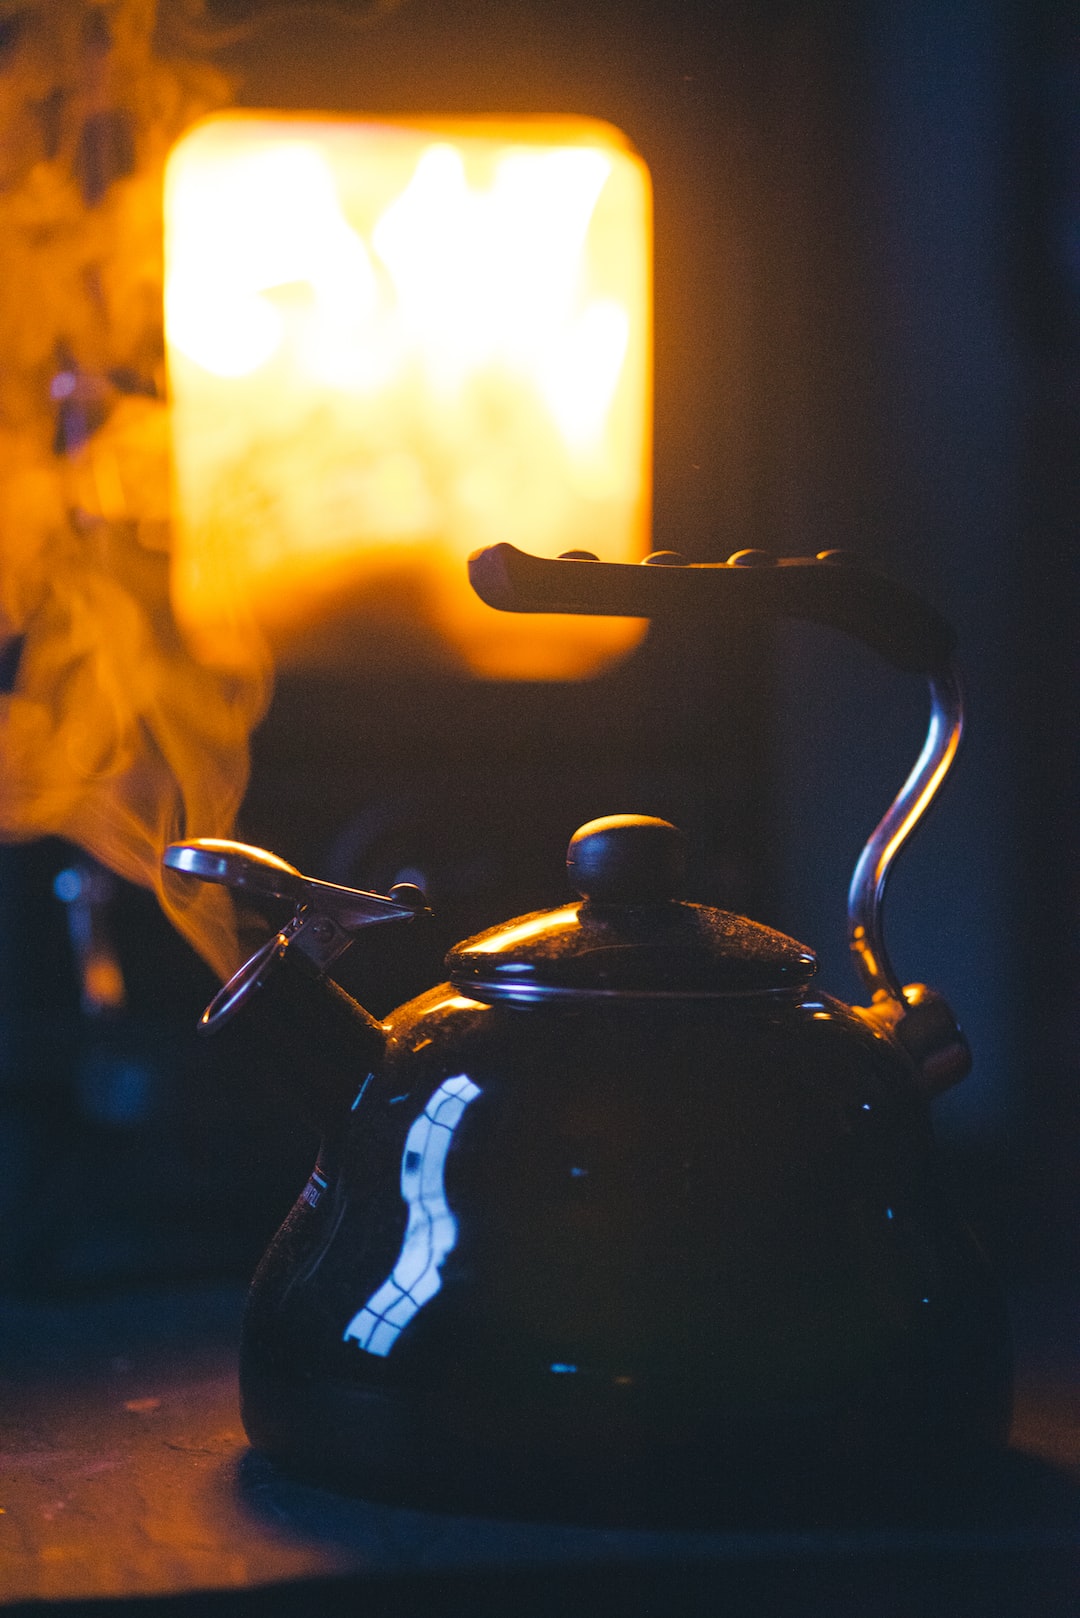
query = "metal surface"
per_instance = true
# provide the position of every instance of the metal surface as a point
(233, 995)
(235, 865)
(493, 990)
(265, 876)
(867, 890)
(327, 914)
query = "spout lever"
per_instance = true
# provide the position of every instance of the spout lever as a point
(326, 919)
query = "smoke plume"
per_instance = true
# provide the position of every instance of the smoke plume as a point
(113, 734)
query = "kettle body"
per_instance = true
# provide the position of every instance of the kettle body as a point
(632, 1250)
(625, 1214)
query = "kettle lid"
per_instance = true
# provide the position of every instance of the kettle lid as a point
(629, 934)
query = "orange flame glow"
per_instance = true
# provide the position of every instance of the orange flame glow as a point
(389, 345)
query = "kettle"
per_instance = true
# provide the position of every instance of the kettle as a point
(626, 1209)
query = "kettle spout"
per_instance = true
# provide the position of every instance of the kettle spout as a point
(319, 1042)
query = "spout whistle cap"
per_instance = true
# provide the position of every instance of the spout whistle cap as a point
(627, 859)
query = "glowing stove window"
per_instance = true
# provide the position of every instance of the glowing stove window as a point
(432, 1229)
(390, 345)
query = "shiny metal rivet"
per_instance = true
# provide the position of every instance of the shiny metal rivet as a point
(409, 895)
(750, 558)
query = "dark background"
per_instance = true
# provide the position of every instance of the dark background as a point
(867, 283)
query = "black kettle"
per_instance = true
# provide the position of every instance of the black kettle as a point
(626, 1209)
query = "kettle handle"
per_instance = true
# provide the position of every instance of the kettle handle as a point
(866, 892)
(831, 588)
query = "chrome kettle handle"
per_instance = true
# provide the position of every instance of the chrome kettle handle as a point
(867, 890)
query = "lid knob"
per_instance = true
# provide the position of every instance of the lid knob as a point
(627, 859)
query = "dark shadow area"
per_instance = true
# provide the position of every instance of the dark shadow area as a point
(1008, 1584)
(987, 1498)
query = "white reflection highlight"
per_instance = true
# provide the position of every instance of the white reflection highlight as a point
(432, 1229)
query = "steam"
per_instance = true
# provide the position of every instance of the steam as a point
(114, 734)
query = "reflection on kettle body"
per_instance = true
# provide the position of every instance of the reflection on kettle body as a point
(432, 1229)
